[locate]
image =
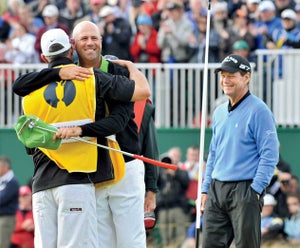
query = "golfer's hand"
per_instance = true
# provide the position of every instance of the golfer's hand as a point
(75, 72)
(67, 133)
(203, 203)
(150, 202)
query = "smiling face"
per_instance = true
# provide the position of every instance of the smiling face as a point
(88, 44)
(235, 85)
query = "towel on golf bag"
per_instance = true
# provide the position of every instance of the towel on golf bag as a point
(33, 132)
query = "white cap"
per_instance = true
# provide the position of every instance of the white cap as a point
(266, 5)
(106, 10)
(50, 10)
(55, 36)
(289, 14)
(269, 200)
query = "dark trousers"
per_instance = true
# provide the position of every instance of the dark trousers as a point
(232, 211)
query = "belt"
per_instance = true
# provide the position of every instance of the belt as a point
(237, 181)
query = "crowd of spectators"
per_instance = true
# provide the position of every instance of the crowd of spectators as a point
(281, 210)
(168, 31)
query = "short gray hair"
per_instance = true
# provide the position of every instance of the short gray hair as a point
(5, 161)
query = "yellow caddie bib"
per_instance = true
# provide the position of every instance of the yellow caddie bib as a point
(66, 104)
(117, 161)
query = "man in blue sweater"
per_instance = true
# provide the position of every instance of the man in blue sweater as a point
(242, 157)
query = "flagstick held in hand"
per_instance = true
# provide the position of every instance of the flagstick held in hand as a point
(30, 122)
(202, 129)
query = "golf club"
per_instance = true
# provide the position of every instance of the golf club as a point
(31, 125)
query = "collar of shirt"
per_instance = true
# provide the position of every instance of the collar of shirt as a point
(231, 108)
(60, 61)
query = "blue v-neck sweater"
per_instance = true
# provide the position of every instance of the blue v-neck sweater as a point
(244, 145)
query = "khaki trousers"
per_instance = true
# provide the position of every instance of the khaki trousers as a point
(7, 226)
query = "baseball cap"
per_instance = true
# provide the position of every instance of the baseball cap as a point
(24, 190)
(144, 20)
(106, 10)
(52, 37)
(240, 45)
(266, 5)
(289, 14)
(50, 10)
(234, 63)
(269, 200)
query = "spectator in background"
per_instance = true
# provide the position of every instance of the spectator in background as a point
(73, 11)
(220, 17)
(292, 223)
(289, 35)
(21, 47)
(116, 33)
(294, 184)
(51, 19)
(23, 235)
(37, 6)
(264, 27)
(28, 20)
(237, 31)
(92, 14)
(172, 205)
(281, 209)
(175, 154)
(134, 11)
(196, 7)
(151, 7)
(11, 14)
(214, 41)
(144, 48)
(271, 225)
(281, 5)
(282, 166)
(154, 8)
(191, 166)
(242, 48)
(251, 8)
(175, 36)
(9, 187)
